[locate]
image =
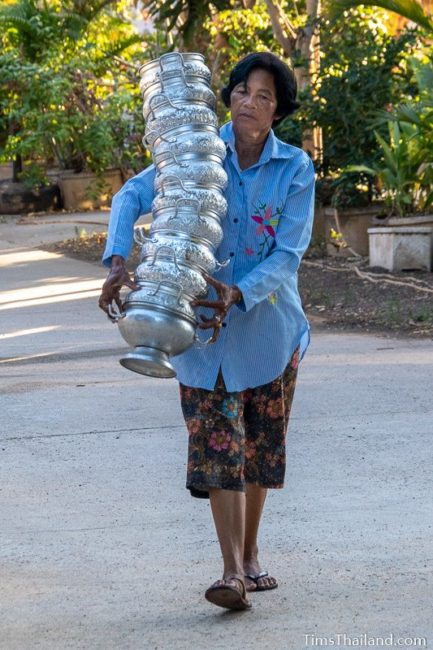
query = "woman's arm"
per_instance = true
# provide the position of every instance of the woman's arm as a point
(134, 199)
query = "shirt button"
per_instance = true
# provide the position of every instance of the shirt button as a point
(231, 254)
(224, 324)
(240, 183)
(235, 220)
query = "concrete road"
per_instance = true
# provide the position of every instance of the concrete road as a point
(102, 548)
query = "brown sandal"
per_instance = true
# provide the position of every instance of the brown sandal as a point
(223, 594)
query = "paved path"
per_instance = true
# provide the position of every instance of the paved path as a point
(101, 546)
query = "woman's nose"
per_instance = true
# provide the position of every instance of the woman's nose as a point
(250, 101)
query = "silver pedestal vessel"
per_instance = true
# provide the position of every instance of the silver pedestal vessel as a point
(158, 320)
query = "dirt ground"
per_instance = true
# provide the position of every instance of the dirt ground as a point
(337, 293)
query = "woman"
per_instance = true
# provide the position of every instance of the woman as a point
(236, 394)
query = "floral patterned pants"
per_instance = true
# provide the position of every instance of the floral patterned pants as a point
(238, 438)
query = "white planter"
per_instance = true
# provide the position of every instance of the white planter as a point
(400, 248)
(414, 220)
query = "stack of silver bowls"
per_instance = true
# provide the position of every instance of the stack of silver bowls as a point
(182, 134)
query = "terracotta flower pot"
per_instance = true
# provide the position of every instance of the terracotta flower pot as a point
(87, 191)
(353, 225)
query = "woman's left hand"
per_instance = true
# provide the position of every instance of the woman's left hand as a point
(227, 296)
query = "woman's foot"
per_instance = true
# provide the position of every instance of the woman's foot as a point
(256, 579)
(230, 592)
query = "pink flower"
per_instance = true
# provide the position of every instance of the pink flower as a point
(219, 440)
(266, 223)
(275, 408)
(250, 450)
(249, 251)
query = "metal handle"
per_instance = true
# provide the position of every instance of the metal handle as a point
(114, 313)
(201, 343)
(166, 99)
(139, 237)
(162, 137)
(172, 177)
(222, 265)
(171, 55)
(166, 73)
(164, 247)
(194, 202)
(169, 282)
(174, 157)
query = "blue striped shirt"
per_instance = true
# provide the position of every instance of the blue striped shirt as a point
(266, 232)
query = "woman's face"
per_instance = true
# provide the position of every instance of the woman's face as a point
(253, 103)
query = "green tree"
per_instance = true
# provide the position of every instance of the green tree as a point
(410, 9)
(69, 86)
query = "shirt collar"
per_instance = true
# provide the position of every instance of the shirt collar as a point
(274, 148)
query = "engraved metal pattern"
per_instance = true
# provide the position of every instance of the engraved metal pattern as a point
(165, 293)
(191, 280)
(186, 251)
(181, 94)
(198, 172)
(182, 134)
(205, 229)
(166, 123)
(173, 190)
(185, 68)
(197, 143)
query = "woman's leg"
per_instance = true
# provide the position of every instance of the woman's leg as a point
(228, 510)
(255, 500)
(266, 414)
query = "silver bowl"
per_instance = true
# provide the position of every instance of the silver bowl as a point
(185, 218)
(197, 143)
(201, 173)
(169, 124)
(172, 190)
(162, 294)
(171, 69)
(188, 251)
(163, 265)
(178, 97)
(155, 333)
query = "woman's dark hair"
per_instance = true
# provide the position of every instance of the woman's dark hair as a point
(284, 79)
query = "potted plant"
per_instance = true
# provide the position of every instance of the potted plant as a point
(66, 98)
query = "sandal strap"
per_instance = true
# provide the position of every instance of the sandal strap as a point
(254, 578)
(240, 579)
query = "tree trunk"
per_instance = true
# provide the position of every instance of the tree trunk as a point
(17, 168)
(306, 42)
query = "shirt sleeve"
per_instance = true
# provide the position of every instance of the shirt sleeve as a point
(134, 199)
(291, 241)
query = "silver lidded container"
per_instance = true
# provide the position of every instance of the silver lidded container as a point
(158, 320)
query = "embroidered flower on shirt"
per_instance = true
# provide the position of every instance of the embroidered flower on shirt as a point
(249, 251)
(273, 298)
(268, 222)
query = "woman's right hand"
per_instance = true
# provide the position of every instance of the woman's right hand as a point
(116, 279)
